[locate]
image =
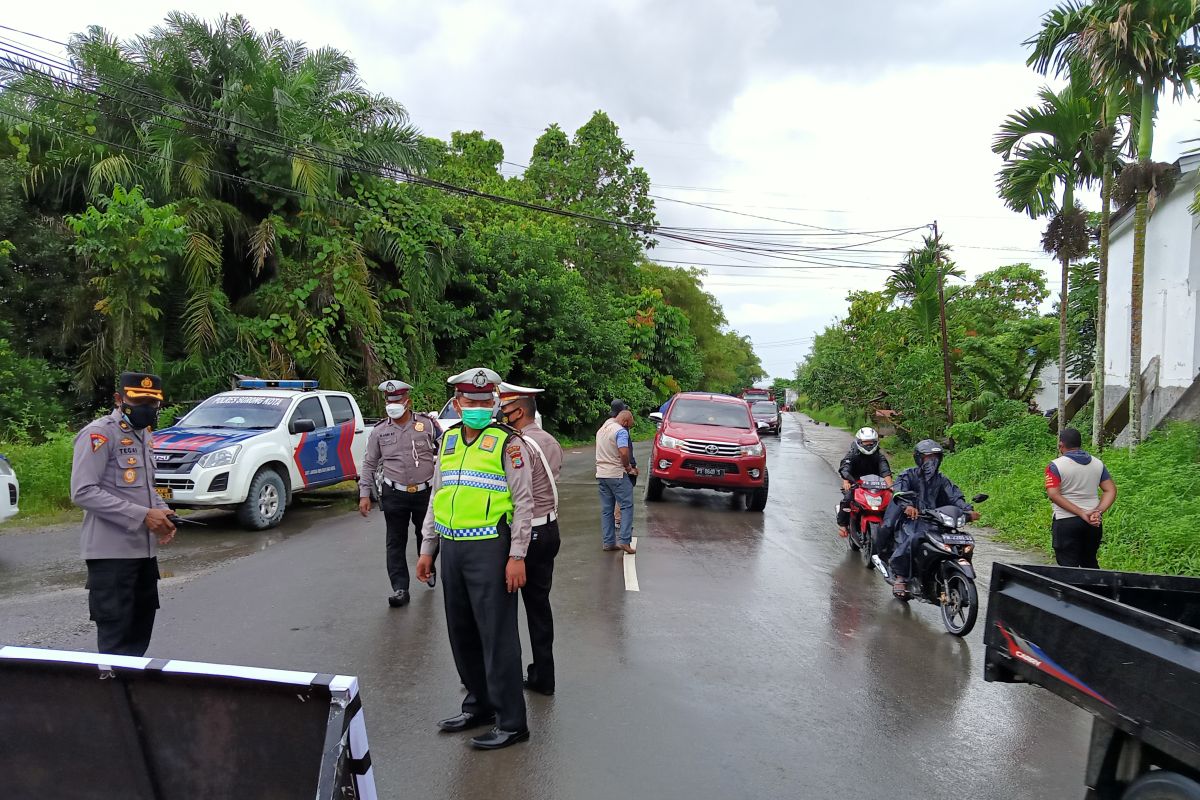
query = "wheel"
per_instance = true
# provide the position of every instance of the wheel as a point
(1162, 785)
(868, 548)
(960, 607)
(265, 502)
(758, 498)
(654, 489)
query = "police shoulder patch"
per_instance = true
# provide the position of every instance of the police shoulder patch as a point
(98, 441)
(488, 443)
(514, 455)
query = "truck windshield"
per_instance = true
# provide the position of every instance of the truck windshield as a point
(765, 409)
(707, 412)
(237, 411)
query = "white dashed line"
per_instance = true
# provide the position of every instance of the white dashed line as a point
(631, 581)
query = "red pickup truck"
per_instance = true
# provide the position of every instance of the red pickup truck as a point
(709, 441)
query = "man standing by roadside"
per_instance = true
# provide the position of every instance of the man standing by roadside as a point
(406, 446)
(124, 519)
(1073, 481)
(519, 406)
(482, 508)
(613, 468)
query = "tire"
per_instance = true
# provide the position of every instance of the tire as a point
(868, 548)
(654, 489)
(757, 499)
(961, 607)
(1162, 785)
(265, 502)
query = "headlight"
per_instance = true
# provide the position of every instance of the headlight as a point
(220, 458)
(949, 521)
(752, 449)
(669, 442)
(874, 502)
(6, 468)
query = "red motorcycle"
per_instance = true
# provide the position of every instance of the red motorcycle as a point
(867, 504)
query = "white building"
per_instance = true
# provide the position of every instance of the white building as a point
(1170, 307)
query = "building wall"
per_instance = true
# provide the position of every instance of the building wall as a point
(1170, 322)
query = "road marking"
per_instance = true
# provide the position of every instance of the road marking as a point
(631, 581)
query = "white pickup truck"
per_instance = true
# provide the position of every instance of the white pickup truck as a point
(253, 449)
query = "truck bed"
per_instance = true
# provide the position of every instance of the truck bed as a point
(1122, 646)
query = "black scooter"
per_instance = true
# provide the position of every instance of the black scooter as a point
(941, 567)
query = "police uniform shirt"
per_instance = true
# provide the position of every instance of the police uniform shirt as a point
(543, 489)
(407, 451)
(112, 480)
(520, 487)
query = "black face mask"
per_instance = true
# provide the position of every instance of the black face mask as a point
(140, 417)
(510, 418)
(929, 468)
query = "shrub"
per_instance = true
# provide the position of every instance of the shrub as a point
(44, 471)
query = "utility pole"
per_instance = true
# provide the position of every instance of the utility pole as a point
(937, 263)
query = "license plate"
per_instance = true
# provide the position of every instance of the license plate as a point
(164, 492)
(710, 472)
(958, 538)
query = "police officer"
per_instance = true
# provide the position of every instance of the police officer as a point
(481, 509)
(124, 519)
(518, 406)
(405, 446)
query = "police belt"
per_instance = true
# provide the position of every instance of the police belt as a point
(411, 488)
(545, 520)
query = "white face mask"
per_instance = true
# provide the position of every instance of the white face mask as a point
(396, 410)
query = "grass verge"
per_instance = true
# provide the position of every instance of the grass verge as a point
(44, 472)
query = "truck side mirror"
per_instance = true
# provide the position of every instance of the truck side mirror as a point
(301, 426)
(656, 417)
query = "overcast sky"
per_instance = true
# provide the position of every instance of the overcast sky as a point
(875, 114)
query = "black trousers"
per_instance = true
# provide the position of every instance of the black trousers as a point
(843, 516)
(1076, 542)
(399, 509)
(481, 618)
(123, 599)
(539, 575)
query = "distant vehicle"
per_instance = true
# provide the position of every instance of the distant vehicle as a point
(254, 449)
(765, 411)
(448, 417)
(1123, 647)
(10, 490)
(709, 441)
(751, 394)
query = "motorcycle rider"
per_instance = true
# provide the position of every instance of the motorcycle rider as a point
(863, 458)
(924, 488)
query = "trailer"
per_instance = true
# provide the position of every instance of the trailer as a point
(1125, 647)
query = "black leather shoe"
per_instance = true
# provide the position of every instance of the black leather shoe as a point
(496, 739)
(432, 582)
(464, 722)
(536, 687)
(400, 598)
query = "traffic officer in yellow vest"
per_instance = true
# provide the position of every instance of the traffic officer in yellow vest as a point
(481, 512)
(406, 447)
(124, 519)
(518, 407)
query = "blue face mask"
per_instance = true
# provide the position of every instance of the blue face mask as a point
(477, 418)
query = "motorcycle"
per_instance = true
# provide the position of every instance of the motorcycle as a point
(942, 574)
(868, 502)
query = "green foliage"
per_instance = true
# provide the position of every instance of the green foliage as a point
(44, 470)
(1151, 528)
(31, 393)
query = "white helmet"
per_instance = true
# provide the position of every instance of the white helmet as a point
(867, 440)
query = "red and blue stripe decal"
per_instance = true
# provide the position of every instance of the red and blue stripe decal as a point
(1028, 652)
(325, 455)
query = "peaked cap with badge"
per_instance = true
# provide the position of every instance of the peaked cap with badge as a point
(138, 385)
(395, 390)
(477, 383)
(511, 391)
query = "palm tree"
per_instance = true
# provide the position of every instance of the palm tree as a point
(916, 280)
(1046, 147)
(1147, 44)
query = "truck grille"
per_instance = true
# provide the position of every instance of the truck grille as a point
(702, 448)
(175, 483)
(175, 460)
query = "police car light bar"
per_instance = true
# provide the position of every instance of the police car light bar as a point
(259, 383)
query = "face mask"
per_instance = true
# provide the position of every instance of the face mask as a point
(477, 418)
(512, 417)
(140, 417)
(396, 410)
(929, 468)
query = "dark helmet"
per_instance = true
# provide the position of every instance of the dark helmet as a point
(928, 447)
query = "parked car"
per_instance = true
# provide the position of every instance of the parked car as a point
(252, 450)
(10, 490)
(767, 413)
(709, 441)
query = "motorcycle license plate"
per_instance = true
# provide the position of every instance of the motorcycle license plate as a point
(164, 492)
(958, 538)
(710, 472)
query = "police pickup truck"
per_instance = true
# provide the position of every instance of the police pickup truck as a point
(251, 450)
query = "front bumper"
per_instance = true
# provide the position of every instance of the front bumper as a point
(679, 469)
(202, 488)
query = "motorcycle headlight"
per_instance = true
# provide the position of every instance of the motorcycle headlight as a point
(874, 502)
(752, 449)
(669, 442)
(949, 521)
(220, 458)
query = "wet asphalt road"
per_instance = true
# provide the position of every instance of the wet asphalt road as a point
(758, 660)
